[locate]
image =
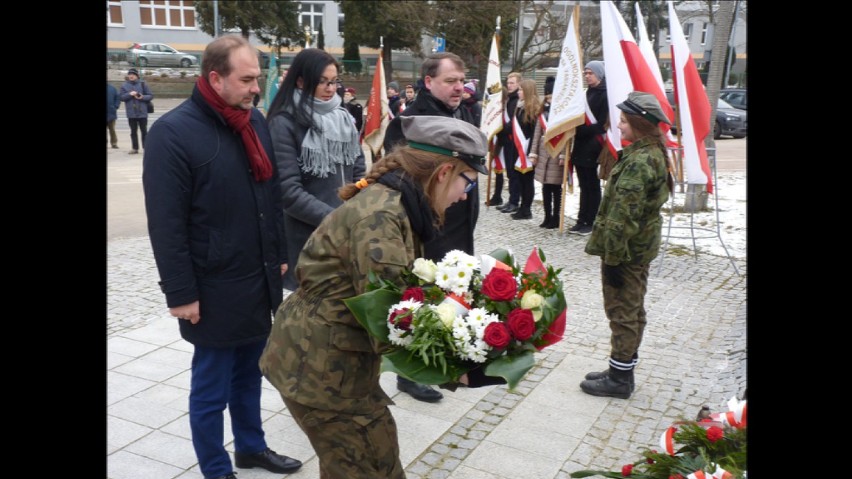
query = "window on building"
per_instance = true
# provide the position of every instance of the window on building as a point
(311, 15)
(167, 13)
(704, 33)
(340, 22)
(687, 31)
(114, 13)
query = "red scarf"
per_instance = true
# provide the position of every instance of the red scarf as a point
(239, 120)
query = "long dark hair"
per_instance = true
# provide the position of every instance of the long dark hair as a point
(308, 65)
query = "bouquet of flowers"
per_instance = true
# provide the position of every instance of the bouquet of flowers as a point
(465, 312)
(712, 447)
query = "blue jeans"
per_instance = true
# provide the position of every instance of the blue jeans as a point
(225, 377)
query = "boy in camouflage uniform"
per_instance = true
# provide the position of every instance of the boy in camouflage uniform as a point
(324, 364)
(626, 235)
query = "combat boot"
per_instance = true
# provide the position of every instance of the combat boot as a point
(616, 383)
(601, 374)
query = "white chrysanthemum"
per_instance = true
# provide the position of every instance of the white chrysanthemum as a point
(453, 257)
(395, 336)
(468, 332)
(407, 304)
(425, 269)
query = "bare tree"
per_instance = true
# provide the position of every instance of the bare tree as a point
(721, 34)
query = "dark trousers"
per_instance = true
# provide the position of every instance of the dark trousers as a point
(514, 184)
(113, 137)
(225, 377)
(498, 186)
(590, 193)
(526, 185)
(625, 309)
(551, 200)
(141, 123)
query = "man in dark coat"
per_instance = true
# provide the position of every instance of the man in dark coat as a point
(113, 102)
(443, 79)
(215, 222)
(587, 147)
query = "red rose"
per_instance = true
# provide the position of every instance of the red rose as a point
(401, 318)
(521, 323)
(626, 470)
(715, 433)
(499, 285)
(413, 293)
(497, 335)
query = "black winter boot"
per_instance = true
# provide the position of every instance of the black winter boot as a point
(548, 214)
(557, 208)
(601, 374)
(616, 383)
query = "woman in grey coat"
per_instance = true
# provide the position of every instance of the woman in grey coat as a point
(316, 149)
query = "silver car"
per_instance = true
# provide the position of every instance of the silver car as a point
(160, 54)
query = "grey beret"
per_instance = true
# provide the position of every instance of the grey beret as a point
(447, 136)
(644, 105)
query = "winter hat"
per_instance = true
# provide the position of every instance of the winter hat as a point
(548, 85)
(133, 71)
(597, 67)
(394, 85)
(470, 88)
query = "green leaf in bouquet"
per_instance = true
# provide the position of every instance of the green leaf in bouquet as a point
(511, 368)
(503, 255)
(409, 366)
(371, 310)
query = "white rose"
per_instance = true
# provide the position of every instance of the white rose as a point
(425, 269)
(447, 312)
(533, 301)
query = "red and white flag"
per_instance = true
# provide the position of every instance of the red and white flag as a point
(648, 53)
(692, 105)
(492, 103)
(626, 70)
(378, 112)
(568, 101)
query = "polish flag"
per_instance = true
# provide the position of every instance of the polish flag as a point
(378, 112)
(626, 70)
(568, 101)
(693, 107)
(648, 53)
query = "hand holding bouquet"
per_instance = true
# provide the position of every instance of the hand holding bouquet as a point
(465, 312)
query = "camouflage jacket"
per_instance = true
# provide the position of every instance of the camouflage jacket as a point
(317, 353)
(628, 225)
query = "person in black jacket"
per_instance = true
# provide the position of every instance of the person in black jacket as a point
(470, 101)
(443, 79)
(215, 223)
(354, 108)
(588, 145)
(508, 150)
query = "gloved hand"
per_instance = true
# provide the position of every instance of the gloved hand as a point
(613, 275)
(477, 378)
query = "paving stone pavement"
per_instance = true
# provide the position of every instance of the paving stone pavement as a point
(694, 353)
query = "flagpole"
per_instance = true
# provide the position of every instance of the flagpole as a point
(569, 147)
(490, 152)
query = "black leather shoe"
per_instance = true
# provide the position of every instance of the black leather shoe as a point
(420, 392)
(505, 205)
(495, 201)
(522, 215)
(510, 208)
(228, 476)
(602, 374)
(269, 460)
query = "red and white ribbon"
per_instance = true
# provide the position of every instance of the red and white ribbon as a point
(736, 415)
(667, 440)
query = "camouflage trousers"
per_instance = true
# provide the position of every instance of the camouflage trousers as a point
(625, 309)
(351, 446)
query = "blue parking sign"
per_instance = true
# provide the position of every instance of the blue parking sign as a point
(440, 44)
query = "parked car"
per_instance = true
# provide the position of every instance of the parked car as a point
(730, 121)
(159, 54)
(736, 97)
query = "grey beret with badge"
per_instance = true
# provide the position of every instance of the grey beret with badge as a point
(644, 105)
(447, 136)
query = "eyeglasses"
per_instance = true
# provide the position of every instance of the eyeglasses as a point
(327, 83)
(471, 184)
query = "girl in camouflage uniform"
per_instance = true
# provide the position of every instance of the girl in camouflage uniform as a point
(626, 235)
(324, 364)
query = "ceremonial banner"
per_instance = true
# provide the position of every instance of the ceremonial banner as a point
(568, 101)
(378, 112)
(492, 99)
